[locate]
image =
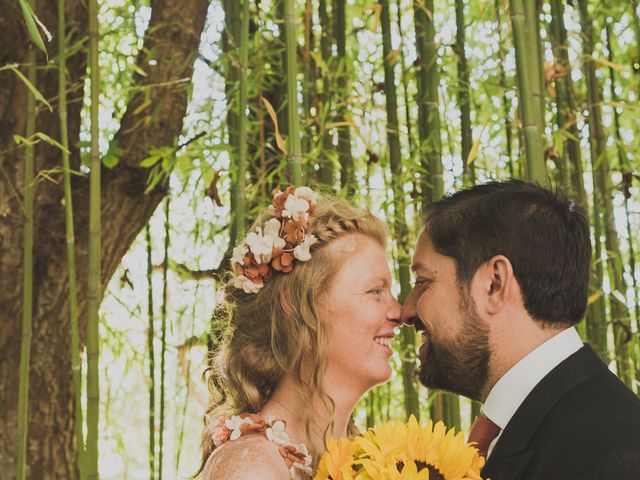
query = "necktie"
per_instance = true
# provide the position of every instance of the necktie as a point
(483, 431)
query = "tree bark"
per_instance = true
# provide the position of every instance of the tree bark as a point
(172, 41)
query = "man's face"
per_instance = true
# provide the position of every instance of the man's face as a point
(454, 354)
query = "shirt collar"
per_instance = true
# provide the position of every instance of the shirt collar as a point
(509, 392)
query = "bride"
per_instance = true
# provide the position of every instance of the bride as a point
(311, 319)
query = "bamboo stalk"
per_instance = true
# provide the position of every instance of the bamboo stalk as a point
(347, 173)
(76, 365)
(412, 404)
(240, 187)
(309, 81)
(152, 359)
(527, 84)
(534, 61)
(163, 336)
(561, 59)
(230, 39)
(179, 443)
(293, 116)
(571, 162)
(506, 105)
(428, 102)
(93, 288)
(326, 165)
(27, 275)
(619, 312)
(625, 169)
(468, 170)
(404, 79)
(636, 30)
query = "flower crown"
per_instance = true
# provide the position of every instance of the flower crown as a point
(274, 246)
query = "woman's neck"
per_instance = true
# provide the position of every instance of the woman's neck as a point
(286, 403)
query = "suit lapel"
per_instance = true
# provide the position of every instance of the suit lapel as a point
(513, 444)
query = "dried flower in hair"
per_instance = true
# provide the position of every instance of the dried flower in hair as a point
(276, 244)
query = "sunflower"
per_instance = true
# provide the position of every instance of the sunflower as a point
(402, 451)
(338, 462)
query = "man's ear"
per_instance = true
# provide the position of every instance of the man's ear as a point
(496, 277)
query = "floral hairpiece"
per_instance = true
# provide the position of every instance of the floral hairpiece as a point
(278, 243)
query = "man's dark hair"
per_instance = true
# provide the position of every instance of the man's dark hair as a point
(544, 234)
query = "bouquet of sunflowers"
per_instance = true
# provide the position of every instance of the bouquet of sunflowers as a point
(401, 451)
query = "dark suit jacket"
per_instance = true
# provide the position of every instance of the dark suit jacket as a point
(580, 422)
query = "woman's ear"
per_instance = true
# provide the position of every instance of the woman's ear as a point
(496, 280)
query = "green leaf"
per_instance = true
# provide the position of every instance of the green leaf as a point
(51, 141)
(112, 157)
(42, 136)
(150, 161)
(13, 67)
(31, 19)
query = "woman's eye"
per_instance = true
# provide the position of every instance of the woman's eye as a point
(376, 291)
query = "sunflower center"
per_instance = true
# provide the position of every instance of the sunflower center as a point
(434, 473)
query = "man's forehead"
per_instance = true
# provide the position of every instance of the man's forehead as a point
(422, 257)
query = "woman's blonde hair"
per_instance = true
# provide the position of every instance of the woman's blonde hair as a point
(269, 333)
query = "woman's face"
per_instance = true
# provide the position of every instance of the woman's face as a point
(361, 315)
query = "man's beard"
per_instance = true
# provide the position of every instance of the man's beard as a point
(460, 365)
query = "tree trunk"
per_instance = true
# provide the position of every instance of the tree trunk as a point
(172, 39)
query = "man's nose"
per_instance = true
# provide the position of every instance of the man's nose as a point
(408, 313)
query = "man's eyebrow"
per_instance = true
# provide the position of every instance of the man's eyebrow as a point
(420, 266)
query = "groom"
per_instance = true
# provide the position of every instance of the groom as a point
(501, 278)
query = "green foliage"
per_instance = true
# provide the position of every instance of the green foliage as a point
(31, 20)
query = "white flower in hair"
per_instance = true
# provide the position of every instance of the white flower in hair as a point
(301, 252)
(246, 284)
(260, 245)
(277, 434)
(272, 229)
(238, 254)
(305, 193)
(296, 208)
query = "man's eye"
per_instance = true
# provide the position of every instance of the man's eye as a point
(376, 291)
(421, 283)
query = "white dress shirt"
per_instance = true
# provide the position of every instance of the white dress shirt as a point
(510, 391)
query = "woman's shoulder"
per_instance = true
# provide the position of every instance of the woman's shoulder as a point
(248, 457)
(249, 446)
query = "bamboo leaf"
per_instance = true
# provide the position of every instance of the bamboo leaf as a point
(393, 57)
(594, 297)
(51, 141)
(606, 63)
(420, 4)
(473, 153)
(150, 161)
(14, 67)
(42, 136)
(619, 296)
(142, 106)
(30, 19)
(274, 118)
(376, 9)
